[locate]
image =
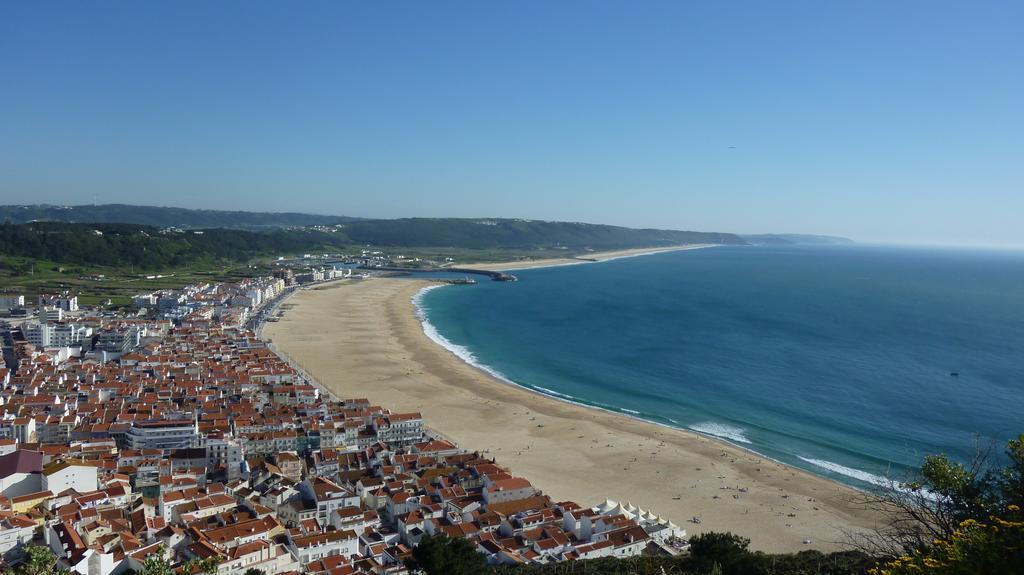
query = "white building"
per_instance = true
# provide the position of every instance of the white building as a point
(511, 489)
(169, 434)
(145, 300)
(65, 301)
(328, 496)
(52, 314)
(56, 335)
(660, 529)
(224, 452)
(64, 475)
(318, 546)
(12, 302)
(399, 429)
(15, 531)
(20, 473)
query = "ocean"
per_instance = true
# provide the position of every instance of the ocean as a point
(839, 359)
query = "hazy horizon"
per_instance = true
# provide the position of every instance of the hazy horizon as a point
(885, 123)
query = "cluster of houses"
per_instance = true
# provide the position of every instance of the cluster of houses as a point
(229, 303)
(199, 442)
(50, 306)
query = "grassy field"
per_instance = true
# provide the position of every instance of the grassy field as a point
(94, 285)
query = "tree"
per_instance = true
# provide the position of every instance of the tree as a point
(935, 505)
(39, 560)
(724, 552)
(447, 556)
(975, 548)
(254, 571)
(155, 564)
(962, 519)
(197, 565)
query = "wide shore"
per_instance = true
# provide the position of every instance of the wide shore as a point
(581, 258)
(361, 338)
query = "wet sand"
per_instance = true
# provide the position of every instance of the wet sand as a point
(361, 338)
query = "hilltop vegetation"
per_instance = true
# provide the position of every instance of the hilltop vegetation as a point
(155, 248)
(65, 253)
(796, 240)
(146, 247)
(520, 234)
(710, 553)
(486, 233)
(162, 217)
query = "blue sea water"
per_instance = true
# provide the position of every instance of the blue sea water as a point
(834, 359)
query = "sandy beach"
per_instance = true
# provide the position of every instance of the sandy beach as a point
(362, 339)
(582, 258)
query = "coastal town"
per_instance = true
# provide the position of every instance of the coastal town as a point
(173, 432)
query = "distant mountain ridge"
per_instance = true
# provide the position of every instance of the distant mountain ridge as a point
(795, 240)
(488, 233)
(149, 247)
(471, 233)
(164, 217)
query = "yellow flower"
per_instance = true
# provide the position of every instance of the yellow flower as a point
(1014, 507)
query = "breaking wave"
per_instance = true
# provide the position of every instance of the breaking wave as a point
(851, 472)
(721, 430)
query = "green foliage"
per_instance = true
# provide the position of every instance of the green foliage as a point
(976, 548)
(983, 506)
(145, 247)
(39, 560)
(201, 566)
(254, 571)
(485, 233)
(1010, 480)
(518, 234)
(977, 491)
(725, 551)
(162, 217)
(155, 564)
(718, 553)
(118, 244)
(447, 556)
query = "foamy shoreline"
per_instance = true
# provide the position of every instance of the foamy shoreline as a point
(729, 436)
(466, 356)
(365, 339)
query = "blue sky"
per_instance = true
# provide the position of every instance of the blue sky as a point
(883, 121)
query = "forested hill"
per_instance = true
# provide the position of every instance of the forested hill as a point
(155, 248)
(795, 240)
(519, 234)
(163, 217)
(147, 247)
(481, 233)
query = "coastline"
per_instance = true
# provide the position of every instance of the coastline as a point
(591, 258)
(364, 339)
(465, 355)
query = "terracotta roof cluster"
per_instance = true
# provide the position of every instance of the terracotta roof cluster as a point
(202, 442)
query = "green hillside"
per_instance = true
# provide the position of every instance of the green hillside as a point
(519, 234)
(163, 217)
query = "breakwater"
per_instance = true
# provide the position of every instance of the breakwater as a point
(494, 275)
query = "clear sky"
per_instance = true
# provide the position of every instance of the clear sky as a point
(895, 121)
